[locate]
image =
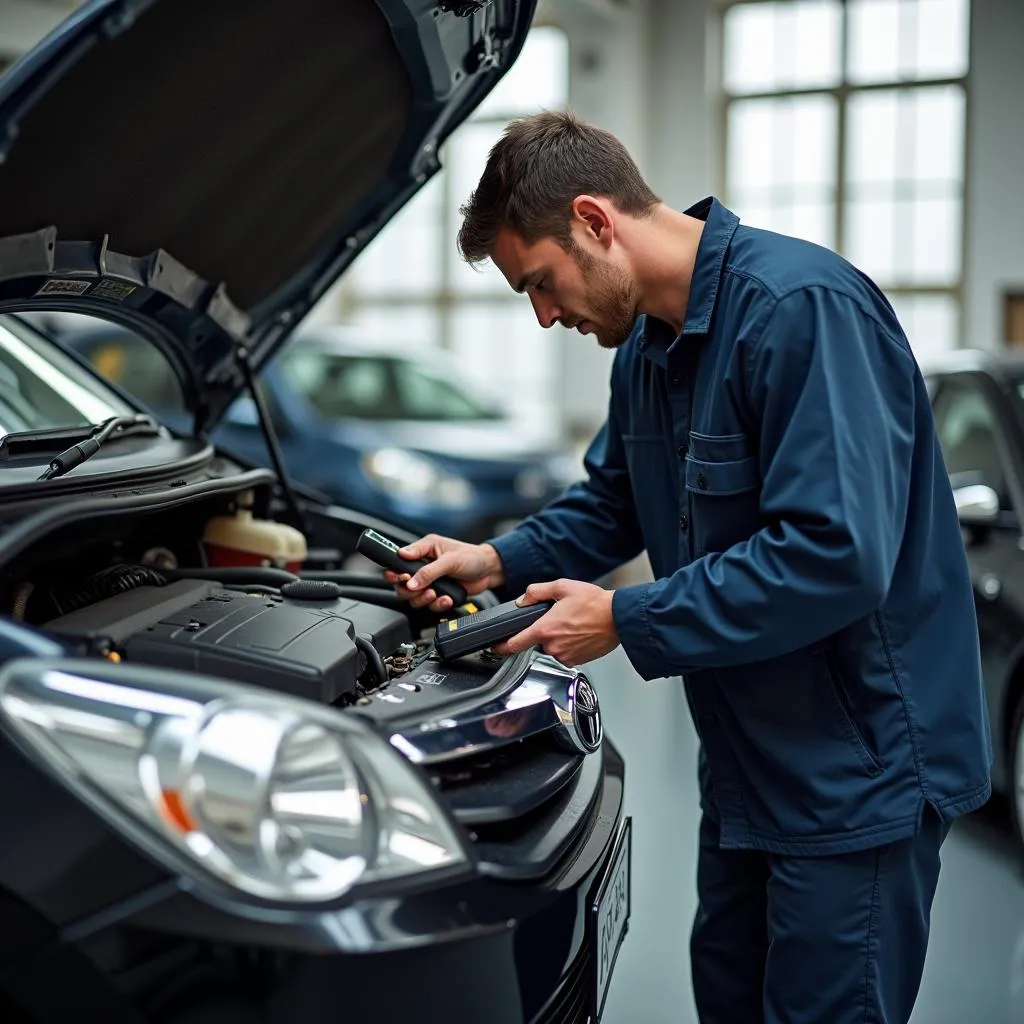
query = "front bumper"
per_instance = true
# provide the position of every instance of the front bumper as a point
(476, 950)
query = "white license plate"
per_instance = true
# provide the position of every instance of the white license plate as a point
(610, 913)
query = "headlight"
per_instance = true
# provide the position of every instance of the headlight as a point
(275, 796)
(413, 477)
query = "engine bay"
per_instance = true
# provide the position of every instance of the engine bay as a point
(219, 588)
(300, 639)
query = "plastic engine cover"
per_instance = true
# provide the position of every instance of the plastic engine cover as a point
(303, 647)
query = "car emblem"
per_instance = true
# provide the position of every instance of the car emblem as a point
(583, 723)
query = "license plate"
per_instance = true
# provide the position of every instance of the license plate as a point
(610, 913)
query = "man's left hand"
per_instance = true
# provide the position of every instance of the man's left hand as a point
(580, 627)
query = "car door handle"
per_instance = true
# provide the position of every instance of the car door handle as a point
(990, 586)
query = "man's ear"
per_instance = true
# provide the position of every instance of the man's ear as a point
(595, 217)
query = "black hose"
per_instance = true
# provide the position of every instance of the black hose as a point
(347, 576)
(266, 576)
(371, 595)
(241, 574)
(373, 658)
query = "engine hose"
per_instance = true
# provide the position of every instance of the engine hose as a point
(241, 574)
(371, 595)
(347, 576)
(373, 658)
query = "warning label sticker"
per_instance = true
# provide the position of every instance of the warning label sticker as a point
(64, 286)
(113, 290)
(431, 678)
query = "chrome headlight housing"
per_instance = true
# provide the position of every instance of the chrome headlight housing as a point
(413, 477)
(271, 795)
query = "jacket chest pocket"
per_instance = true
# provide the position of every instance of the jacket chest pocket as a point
(724, 488)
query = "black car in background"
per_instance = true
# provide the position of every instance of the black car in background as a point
(239, 784)
(978, 402)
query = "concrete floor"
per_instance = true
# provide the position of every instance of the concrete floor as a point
(975, 968)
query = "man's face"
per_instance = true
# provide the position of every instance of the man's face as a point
(576, 288)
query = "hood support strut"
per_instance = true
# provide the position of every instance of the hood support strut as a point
(270, 436)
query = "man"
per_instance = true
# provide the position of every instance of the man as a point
(769, 441)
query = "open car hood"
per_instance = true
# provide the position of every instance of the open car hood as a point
(205, 169)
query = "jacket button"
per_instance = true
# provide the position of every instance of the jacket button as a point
(701, 482)
(676, 381)
(684, 522)
(682, 449)
(711, 719)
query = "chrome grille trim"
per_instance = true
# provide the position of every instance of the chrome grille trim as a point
(545, 701)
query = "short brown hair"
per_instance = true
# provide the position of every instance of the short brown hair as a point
(534, 172)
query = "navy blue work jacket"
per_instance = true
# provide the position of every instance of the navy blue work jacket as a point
(778, 461)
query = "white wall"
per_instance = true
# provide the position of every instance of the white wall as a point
(644, 75)
(606, 49)
(995, 171)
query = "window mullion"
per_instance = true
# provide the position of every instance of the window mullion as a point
(842, 96)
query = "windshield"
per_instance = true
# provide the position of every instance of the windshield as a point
(41, 387)
(371, 387)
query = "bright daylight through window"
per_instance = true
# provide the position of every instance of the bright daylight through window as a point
(411, 284)
(846, 125)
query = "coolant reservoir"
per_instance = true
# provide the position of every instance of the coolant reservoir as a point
(242, 540)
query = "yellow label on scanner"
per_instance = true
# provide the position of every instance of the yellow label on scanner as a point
(452, 623)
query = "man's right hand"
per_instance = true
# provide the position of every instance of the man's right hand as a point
(476, 566)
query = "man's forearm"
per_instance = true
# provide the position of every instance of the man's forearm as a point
(495, 566)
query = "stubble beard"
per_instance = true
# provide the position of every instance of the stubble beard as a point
(612, 299)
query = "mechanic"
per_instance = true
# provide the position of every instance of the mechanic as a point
(770, 442)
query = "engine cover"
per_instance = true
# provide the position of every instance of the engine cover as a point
(304, 648)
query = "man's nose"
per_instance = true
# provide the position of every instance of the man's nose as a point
(547, 313)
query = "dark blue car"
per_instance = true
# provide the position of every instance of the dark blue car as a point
(241, 784)
(398, 436)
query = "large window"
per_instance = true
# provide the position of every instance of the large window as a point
(411, 285)
(845, 126)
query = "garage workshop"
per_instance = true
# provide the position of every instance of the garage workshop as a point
(511, 511)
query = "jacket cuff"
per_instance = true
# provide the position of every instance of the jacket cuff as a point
(629, 612)
(521, 561)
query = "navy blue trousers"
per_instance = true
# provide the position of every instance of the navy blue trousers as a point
(813, 940)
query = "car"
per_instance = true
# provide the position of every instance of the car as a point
(400, 436)
(240, 784)
(978, 406)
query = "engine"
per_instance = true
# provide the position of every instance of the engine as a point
(302, 638)
(211, 588)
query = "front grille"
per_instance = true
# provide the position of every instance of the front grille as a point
(571, 1003)
(508, 783)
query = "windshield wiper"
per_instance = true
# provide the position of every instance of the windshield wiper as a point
(100, 433)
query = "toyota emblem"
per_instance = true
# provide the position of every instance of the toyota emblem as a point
(585, 712)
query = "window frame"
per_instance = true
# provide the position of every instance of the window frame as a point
(841, 93)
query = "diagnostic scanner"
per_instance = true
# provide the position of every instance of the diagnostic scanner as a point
(384, 552)
(456, 637)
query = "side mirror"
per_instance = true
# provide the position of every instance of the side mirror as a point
(977, 505)
(242, 413)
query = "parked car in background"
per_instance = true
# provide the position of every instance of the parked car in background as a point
(978, 402)
(400, 436)
(240, 785)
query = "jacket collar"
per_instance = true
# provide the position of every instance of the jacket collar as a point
(720, 223)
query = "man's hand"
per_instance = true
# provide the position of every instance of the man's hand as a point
(580, 627)
(476, 566)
